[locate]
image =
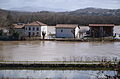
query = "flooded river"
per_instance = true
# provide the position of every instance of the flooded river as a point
(55, 50)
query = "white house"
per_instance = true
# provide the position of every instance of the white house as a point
(35, 29)
(67, 30)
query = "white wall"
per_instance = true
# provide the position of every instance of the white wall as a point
(44, 29)
(83, 30)
(116, 30)
(76, 32)
(66, 33)
(35, 31)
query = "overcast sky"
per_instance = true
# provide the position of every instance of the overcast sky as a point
(63, 4)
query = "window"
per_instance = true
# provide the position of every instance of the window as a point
(61, 30)
(37, 33)
(29, 34)
(29, 28)
(37, 28)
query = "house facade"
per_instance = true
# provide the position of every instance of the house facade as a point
(67, 30)
(35, 29)
(101, 30)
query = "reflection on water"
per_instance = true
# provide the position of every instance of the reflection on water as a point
(53, 50)
(56, 74)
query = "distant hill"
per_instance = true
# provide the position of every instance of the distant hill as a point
(37, 9)
(86, 11)
(96, 12)
(80, 16)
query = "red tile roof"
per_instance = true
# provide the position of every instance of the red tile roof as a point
(18, 26)
(66, 25)
(101, 25)
(36, 23)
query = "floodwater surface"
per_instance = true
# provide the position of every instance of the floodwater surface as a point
(56, 51)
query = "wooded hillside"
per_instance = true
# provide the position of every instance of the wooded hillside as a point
(81, 17)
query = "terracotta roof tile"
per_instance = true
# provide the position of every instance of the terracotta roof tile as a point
(18, 26)
(36, 23)
(66, 25)
(101, 25)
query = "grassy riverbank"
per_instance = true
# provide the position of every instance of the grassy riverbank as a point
(107, 39)
(57, 65)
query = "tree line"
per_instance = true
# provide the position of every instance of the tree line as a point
(7, 18)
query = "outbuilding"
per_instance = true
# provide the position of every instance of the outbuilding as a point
(67, 30)
(101, 30)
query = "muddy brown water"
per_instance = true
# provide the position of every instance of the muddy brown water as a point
(56, 51)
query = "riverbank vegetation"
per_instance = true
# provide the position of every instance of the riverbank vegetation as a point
(68, 63)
